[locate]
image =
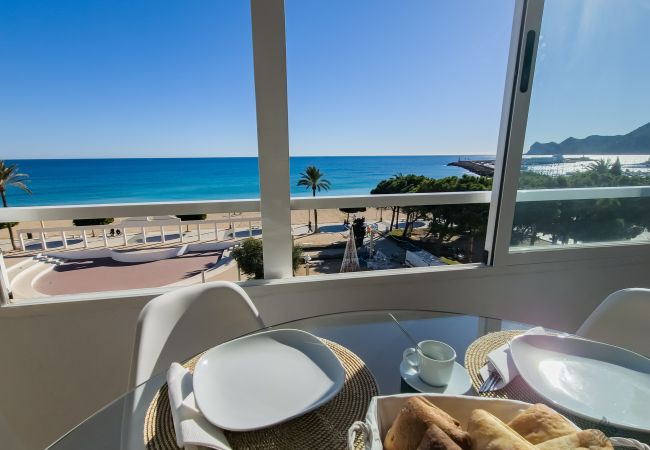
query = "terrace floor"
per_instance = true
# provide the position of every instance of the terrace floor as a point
(105, 274)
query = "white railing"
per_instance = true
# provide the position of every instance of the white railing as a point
(66, 212)
(122, 228)
(539, 195)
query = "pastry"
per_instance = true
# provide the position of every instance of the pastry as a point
(490, 433)
(579, 440)
(432, 415)
(540, 423)
(406, 432)
(414, 418)
(436, 439)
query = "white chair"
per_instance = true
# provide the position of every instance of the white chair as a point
(186, 321)
(622, 319)
(174, 327)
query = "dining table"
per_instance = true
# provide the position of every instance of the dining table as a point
(375, 339)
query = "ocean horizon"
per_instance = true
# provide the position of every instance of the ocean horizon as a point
(137, 180)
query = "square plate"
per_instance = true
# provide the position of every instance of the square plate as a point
(266, 378)
(596, 381)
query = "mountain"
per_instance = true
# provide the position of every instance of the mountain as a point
(636, 142)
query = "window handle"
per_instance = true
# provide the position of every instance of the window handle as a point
(528, 61)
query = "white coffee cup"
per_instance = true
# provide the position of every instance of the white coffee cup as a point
(434, 362)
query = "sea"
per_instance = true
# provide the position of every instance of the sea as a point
(135, 180)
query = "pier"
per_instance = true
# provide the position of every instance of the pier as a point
(484, 168)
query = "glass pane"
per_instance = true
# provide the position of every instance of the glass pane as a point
(379, 88)
(116, 102)
(588, 124)
(388, 238)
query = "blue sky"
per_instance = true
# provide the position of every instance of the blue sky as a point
(158, 78)
(592, 70)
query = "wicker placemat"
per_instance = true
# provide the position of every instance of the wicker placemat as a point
(323, 428)
(518, 389)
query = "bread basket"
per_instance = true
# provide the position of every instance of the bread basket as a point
(383, 410)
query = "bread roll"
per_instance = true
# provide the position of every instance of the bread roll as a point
(540, 423)
(432, 415)
(406, 431)
(436, 439)
(579, 440)
(439, 411)
(490, 433)
(414, 418)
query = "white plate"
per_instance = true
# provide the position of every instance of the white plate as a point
(265, 378)
(459, 383)
(590, 379)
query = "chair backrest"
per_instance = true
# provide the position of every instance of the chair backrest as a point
(183, 322)
(622, 319)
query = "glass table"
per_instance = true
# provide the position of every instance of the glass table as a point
(372, 335)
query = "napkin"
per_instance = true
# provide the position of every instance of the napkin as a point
(499, 360)
(192, 429)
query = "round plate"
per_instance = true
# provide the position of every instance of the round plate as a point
(460, 382)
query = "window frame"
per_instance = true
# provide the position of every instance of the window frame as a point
(275, 203)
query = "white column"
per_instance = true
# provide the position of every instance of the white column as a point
(64, 238)
(198, 231)
(22, 240)
(162, 234)
(270, 67)
(85, 238)
(250, 229)
(5, 283)
(144, 235)
(105, 237)
(126, 241)
(216, 231)
(180, 233)
(43, 241)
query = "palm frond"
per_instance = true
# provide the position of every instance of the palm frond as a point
(9, 176)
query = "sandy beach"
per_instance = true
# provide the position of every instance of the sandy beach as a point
(300, 217)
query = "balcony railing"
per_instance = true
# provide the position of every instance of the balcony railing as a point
(65, 212)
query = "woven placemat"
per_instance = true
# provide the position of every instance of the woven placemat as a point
(518, 389)
(323, 428)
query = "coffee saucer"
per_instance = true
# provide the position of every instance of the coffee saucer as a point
(460, 382)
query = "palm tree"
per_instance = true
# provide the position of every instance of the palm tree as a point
(9, 176)
(601, 166)
(312, 178)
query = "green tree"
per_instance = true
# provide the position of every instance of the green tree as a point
(250, 257)
(617, 169)
(454, 220)
(312, 178)
(601, 166)
(582, 220)
(9, 176)
(400, 184)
